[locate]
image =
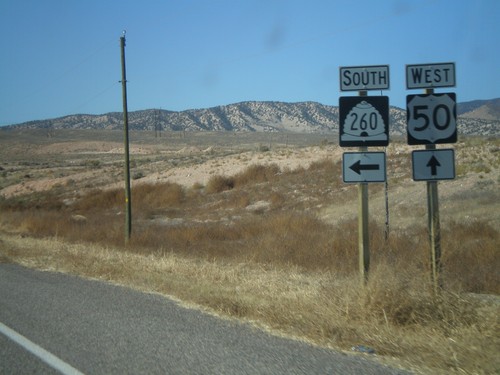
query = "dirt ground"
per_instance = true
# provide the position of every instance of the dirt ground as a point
(79, 161)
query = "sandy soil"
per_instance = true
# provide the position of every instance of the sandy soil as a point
(42, 167)
(185, 175)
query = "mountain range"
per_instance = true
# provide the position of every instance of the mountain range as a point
(478, 117)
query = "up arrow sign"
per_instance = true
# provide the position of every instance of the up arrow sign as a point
(433, 164)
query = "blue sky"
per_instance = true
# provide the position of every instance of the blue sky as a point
(62, 57)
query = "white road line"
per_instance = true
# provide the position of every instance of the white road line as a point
(40, 352)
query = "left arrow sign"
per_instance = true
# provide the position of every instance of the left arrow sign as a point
(363, 167)
(358, 167)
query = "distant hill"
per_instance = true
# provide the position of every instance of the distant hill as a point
(480, 109)
(478, 117)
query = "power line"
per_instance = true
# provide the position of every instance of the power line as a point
(91, 99)
(69, 70)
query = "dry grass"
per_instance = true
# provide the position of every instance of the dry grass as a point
(252, 245)
(273, 236)
(253, 174)
(394, 314)
(471, 257)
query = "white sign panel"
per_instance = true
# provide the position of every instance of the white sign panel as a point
(427, 76)
(431, 118)
(431, 165)
(363, 167)
(360, 78)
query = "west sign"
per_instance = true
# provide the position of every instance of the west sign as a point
(428, 76)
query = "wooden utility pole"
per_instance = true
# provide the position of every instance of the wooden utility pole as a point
(387, 223)
(128, 201)
(363, 232)
(434, 226)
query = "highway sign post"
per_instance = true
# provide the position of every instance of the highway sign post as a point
(363, 122)
(431, 119)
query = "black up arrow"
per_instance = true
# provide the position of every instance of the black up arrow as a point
(358, 167)
(433, 163)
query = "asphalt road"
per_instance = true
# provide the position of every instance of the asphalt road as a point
(94, 327)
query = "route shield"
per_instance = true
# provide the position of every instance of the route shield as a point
(363, 121)
(431, 118)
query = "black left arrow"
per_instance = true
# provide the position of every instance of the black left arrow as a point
(358, 167)
(433, 164)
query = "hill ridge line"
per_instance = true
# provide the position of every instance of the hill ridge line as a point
(260, 116)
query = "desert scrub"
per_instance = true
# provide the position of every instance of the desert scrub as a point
(218, 183)
(93, 164)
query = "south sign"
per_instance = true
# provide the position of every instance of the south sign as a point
(360, 78)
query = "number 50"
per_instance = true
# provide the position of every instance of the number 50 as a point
(439, 114)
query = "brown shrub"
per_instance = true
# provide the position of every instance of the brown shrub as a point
(277, 200)
(257, 173)
(157, 195)
(324, 165)
(253, 174)
(469, 250)
(100, 200)
(218, 184)
(470, 257)
(48, 200)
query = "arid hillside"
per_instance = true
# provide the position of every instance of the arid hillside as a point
(480, 118)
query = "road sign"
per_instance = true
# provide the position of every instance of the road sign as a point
(360, 78)
(363, 167)
(364, 121)
(431, 118)
(429, 165)
(429, 76)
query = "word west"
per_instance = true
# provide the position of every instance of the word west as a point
(433, 75)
